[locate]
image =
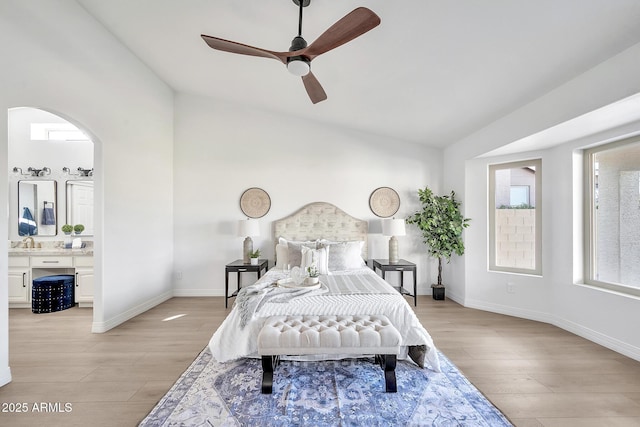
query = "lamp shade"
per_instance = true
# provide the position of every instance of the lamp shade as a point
(393, 227)
(248, 227)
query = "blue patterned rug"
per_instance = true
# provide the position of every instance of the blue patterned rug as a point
(331, 393)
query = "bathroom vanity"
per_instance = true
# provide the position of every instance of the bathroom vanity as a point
(26, 264)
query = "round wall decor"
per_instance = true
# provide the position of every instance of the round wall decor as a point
(384, 202)
(255, 202)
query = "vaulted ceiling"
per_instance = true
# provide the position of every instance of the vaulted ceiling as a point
(432, 72)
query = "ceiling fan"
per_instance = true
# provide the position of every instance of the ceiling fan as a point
(298, 58)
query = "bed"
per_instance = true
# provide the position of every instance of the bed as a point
(322, 235)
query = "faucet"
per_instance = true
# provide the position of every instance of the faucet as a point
(31, 244)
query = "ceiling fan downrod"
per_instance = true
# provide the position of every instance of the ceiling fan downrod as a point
(299, 65)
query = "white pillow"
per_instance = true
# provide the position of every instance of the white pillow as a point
(294, 250)
(345, 255)
(317, 257)
(282, 256)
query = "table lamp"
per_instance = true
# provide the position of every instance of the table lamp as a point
(393, 227)
(247, 228)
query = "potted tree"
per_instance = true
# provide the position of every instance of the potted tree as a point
(441, 224)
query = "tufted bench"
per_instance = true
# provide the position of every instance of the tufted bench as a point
(329, 335)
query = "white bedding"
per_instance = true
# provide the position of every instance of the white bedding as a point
(343, 293)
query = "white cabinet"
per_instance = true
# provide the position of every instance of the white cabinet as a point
(19, 288)
(84, 288)
(24, 268)
(19, 281)
(84, 281)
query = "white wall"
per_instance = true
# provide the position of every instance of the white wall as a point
(56, 57)
(222, 149)
(557, 296)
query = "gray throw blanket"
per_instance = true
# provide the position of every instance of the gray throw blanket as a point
(251, 298)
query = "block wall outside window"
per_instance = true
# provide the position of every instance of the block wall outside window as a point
(516, 238)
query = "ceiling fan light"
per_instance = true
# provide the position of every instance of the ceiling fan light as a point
(299, 67)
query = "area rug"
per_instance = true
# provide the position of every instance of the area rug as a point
(329, 393)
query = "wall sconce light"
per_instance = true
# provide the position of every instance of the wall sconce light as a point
(33, 171)
(81, 171)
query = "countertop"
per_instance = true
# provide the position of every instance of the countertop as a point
(49, 251)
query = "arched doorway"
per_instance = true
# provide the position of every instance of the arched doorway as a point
(50, 167)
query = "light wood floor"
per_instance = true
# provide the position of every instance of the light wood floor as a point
(537, 374)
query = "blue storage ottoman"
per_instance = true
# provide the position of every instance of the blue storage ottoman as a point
(52, 293)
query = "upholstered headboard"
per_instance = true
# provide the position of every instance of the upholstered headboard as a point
(321, 220)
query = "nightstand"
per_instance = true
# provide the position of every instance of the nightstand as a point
(401, 266)
(238, 266)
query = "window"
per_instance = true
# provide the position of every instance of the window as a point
(56, 132)
(612, 216)
(515, 217)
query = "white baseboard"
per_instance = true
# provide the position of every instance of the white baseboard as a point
(599, 338)
(569, 326)
(198, 292)
(100, 327)
(5, 377)
(538, 316)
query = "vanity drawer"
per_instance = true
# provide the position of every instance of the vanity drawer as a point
(18, 261)
(84, 261)
(51, 261)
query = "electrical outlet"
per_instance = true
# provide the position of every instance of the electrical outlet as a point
(178, 275)
(511, 288)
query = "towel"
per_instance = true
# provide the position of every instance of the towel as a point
(26, 225)
(48, 217)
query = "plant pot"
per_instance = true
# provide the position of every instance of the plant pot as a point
(437, 292)
(311, 280)
(68, 240)
(254, 261)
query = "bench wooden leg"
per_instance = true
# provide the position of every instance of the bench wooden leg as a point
(268, 363)
(389, 361)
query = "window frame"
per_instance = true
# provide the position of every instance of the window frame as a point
(492, 168)
(589, 234)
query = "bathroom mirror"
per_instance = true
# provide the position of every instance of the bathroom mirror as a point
(80, 205)
(37, 210)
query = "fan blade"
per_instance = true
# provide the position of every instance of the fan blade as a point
(313, 87)
(243, 49)
(352, 25)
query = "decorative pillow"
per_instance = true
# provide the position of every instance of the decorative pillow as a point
(317, 257)
(345, 255)
(294, 250)
(282, 256)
